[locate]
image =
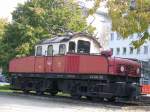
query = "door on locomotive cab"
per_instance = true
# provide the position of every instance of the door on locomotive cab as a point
(72, 47)
(59, 60)
(50, 50)
(49, 59)
(39, 64)
(83, 46)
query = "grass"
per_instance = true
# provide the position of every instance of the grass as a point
(63, 94)
(5, 88)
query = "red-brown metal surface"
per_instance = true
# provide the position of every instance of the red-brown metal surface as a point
(130, 67)
(72, 63)
(58, 64)
(22, 65)
(93, 64)
(48, 64)
(39, 64)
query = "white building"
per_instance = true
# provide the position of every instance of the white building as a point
(100, 20)
(123, 48)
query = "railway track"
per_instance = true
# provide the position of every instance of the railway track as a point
(144, 101)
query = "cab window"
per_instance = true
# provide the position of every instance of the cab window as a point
(50, 50)
(39, 51)
(83, 46)
(62, 49)
(72, 46)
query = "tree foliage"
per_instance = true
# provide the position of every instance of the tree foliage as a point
(36, 20)
(3, 24)
(131, 16)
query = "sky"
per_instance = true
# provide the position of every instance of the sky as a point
(7, 6)
(102, 26)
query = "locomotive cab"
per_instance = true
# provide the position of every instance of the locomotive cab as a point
(61, 45)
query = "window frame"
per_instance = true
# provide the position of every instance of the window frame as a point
(118, 36)
(60, 48)
(78, 45)
(37, 51)
(138, 50)
(131, 50)
(118, 51)
(124, 51)
(145, 49)
(112, 36)
(48, 50)
(69, 50)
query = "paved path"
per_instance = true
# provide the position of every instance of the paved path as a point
(26, 103)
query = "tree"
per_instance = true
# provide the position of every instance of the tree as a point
(131, 16)
(3, 24)
(128, 17)
(36, 20)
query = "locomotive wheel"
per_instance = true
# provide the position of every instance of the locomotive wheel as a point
(39, 93)
(100, 99)
(113, 99)
(53, 93)
(97, 99)
(26, 91)
(88, 97)
(75, 96)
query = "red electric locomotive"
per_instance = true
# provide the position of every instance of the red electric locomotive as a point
(75, 64)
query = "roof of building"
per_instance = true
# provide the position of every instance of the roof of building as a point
(65, 38)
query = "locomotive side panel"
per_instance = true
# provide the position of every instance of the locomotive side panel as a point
(39, 64)
(72, 63)
(58, 64)
(48, 64)
(93, 64)
(22, 65)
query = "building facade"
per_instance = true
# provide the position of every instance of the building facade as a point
(123, 48)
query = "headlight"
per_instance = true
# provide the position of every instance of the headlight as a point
(137, 70)
(122, 69)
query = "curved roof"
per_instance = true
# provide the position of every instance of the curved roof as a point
(65, 38)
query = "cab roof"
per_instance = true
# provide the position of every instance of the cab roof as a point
(65, 38)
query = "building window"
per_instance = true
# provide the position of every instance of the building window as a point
(39, 51)
(112, 36)
(145, 49)
(118, 36)
(62, 49)
(124, 51)
(118, 51)
(50, 50)
(131, 50)
(138, 50)
(112, 50)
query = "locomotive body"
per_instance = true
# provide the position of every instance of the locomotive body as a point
(76, 65)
